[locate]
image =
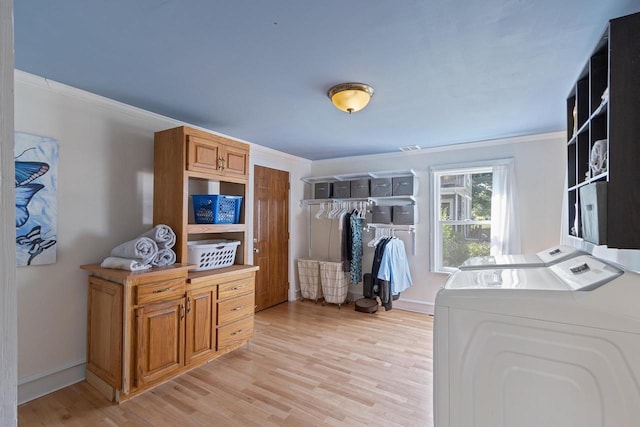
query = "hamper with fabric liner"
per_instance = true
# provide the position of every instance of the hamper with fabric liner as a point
(309, 278)
(334, 281)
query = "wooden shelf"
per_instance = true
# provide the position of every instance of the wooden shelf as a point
(187, 161)
(215, 228)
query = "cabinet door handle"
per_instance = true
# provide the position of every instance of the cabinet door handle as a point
(236, 332)
(188, 304)
(237, 308)
(159, 291)
(182, 311)
(235, 288)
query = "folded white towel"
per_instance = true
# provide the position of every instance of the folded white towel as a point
(124, 264)
(163, 235)
(142, 249)
(164, 257)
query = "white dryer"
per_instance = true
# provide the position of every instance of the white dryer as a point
(531, 347)
(547, 257)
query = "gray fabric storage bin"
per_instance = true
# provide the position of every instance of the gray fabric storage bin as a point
(404, 215)
(381, 187)
(322, 190)
(360, 188)
(381, 214)
(341, 190)
(403, 186)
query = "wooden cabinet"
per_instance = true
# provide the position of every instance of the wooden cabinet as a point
(233, 305)
(235, 161)
(203, 155)
(201, 324)
(604, 105)
(216, 156)
(236, 304)
(146, 327)
(160, 340)
(189, 161)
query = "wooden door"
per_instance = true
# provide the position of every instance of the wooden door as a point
(160, 346)
(271, 235)
(201, 324)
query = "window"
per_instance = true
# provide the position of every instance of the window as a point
(473, 213)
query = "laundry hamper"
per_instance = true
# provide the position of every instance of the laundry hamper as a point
(309, 278)
(335, 282)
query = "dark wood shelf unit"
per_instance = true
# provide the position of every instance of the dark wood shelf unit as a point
(614, 65)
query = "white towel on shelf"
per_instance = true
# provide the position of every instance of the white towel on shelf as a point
(142, 249)
(163, 235)
(164, 257)
(124, 264)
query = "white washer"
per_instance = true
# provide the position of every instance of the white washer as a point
(547, 257)
(548, 346)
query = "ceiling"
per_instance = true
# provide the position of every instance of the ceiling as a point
(444, 71)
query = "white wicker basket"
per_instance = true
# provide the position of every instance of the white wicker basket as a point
(335, 282)
(211, 254)
(309, 277)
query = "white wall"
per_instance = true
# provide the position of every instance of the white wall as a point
(540, 163)
(105, 193)
(8, 316)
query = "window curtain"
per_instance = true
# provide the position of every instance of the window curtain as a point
(505, 221)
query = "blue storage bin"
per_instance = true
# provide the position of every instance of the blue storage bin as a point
(216, 208)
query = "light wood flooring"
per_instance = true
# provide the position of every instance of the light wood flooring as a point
(308, 365)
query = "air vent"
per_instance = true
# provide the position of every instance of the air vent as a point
(410, 148)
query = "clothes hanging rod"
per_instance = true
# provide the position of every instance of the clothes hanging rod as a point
(406, 228)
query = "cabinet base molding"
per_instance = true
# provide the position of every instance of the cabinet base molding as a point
(102, 387)
(114, 395)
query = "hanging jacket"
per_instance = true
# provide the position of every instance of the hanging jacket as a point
(394, 266)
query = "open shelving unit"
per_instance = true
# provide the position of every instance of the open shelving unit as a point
(386, 200)
(604, 104)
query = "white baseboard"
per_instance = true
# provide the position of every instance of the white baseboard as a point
(35, 386)
(294, 294)
(418, 306)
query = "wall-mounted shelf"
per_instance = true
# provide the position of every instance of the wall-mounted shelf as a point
(409, 199)
(352, 176)
(308, 202)
(376, 200)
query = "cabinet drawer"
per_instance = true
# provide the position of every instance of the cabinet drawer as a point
(234, 333)
(235, 288)
(164, 290)
(235, 308)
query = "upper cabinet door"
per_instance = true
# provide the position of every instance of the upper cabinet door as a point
(236, 161)
(203, 155)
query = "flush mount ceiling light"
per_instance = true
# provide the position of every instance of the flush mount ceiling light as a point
(350, 97)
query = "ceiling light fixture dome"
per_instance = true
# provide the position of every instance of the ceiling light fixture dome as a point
(350, 97)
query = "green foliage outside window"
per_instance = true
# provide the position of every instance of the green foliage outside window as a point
(460, 242)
